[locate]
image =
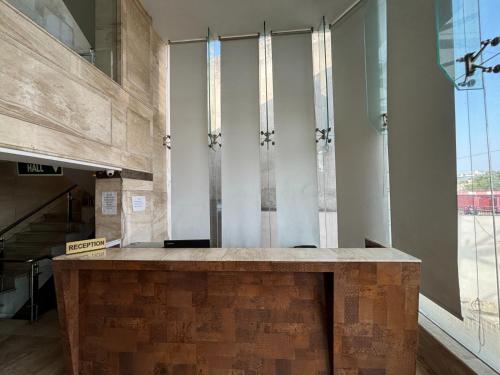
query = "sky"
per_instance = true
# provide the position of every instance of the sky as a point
(477, 106)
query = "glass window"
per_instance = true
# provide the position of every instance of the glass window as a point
(269, 237)
(87, 27)
(325, 145)
(463, 25)
(375, 43)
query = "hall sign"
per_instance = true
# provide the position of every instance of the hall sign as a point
(85, 245)
(31, 169)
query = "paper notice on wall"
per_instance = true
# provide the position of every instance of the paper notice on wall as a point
(109, 203)
(138, 203)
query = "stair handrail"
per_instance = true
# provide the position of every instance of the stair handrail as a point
(36, 210)
(33, 281)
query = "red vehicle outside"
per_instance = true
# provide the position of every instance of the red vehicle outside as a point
(478, 202)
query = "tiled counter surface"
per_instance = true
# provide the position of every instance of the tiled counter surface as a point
(239, 311)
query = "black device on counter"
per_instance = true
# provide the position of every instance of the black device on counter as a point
(183, 244)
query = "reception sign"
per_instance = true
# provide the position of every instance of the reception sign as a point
(85, 246)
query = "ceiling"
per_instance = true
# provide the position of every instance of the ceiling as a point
(186, 19)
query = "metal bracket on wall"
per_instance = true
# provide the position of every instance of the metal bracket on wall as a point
(384, 120)
(268, 137)
(323, 134)
(470, 58)
(90, 56)
(214, 140)
(167, 141)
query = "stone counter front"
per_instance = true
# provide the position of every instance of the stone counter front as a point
(239, 311)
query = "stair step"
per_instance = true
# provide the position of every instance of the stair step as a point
(54, 227)
(12, 269)
(41, 237)
(27, 252)
(55, 217)
(14, 247)
(27, 255)
(6, 289)
(7, 283)
(12, 244)
(50, 253)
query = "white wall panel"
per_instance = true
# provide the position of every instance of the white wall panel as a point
(422, 152)
(296, 179)
(359, 147)
(189, 154)
(241, 206)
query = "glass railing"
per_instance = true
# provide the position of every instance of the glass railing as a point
(458, 34)
(375, 41)
(88, 28)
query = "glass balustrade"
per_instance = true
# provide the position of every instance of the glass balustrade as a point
(87, 27)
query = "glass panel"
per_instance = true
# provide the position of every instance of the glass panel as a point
(214, 139)
(241, 188)
(89, 28)
(106, 37)
(458, 35)
(55, 17)
(269, 236)
(375, 39)
(325, 149)
(296, 177)
(190, 210)
(386, 188)
(477, 238)
(478, 196)
(375, 49)
(490, 28)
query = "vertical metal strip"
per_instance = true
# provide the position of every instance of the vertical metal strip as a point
(214, 139)
(267, 151)
(166, 142)
(327, 195)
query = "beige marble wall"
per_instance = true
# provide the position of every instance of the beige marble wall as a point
(128, 224)
(108, 226)
(52, 93)
(137, 226)
(54, 102)
(136, 51)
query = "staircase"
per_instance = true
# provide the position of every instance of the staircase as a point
(40, 240)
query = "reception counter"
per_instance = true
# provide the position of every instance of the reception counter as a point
(239, 311)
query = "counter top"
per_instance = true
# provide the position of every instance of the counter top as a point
(231, 259)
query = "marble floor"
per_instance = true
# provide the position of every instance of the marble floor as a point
(29, 349)
(35, 349)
